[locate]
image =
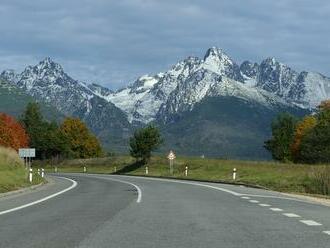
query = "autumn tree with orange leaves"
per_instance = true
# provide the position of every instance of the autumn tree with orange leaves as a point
(308, 140)
(82, 143)
(307, 124)
(12, 134)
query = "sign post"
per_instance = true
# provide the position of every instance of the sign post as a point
(27, 154)
(171, 156)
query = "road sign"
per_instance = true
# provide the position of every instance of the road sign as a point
(27, 152)
(171, 155)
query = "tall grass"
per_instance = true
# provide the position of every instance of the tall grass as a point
(13, 175)
(9, 159)
(12, 172)
(319, 181)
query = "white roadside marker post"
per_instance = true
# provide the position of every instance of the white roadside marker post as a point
(85, 169)
(115, 169)
(234, 174)
(186, 171)
(30, 175)
(55, 169)
(147, 170)
(42, 172)
(38, 171)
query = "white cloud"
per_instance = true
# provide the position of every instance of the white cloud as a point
(113, 42)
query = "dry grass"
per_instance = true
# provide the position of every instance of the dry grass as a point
(12, 172)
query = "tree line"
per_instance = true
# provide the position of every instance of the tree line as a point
(302, 141)
(70, 139)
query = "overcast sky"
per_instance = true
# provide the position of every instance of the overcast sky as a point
(114, 42)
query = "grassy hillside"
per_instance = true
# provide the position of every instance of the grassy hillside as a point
(295, 178)
(13, 175)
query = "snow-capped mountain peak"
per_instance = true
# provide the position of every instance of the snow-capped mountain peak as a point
(217, 61)
(49, 64)
(10, 76)
(192, 79)
(178, 89)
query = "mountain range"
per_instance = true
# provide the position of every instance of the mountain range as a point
(211, 105)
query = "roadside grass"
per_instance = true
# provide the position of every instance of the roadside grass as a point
(291, 178)
(93, 165)
(13, 175)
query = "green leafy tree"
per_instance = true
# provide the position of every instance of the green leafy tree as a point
(82, 143)
(315, 146)
(44, 136)
(145, 141)
(283, 131)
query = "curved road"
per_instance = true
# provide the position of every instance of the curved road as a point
(119, 211)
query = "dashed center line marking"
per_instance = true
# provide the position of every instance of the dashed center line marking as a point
(245, 197)
(311, 223)
(291, 215)
(254, 201)
(326, 232)
(264, 205)
(276, 209)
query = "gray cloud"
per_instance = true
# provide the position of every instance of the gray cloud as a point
(113, 42)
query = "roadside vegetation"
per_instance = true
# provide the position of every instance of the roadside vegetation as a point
(302, 141)
(305, 141)
(70, 139)
(13, 175)
(301, 148)
(284, 177)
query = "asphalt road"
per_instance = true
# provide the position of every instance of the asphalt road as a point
(118, 211)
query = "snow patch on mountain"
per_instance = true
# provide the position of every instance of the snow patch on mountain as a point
(10, 76)
(188, 82)
(316, 88)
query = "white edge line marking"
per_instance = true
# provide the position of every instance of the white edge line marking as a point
(291, 215)
(253, 201)
(74, 184)
(311, 223)
(208, 186)
(139, 199)
(183, 182)
(326, 232)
